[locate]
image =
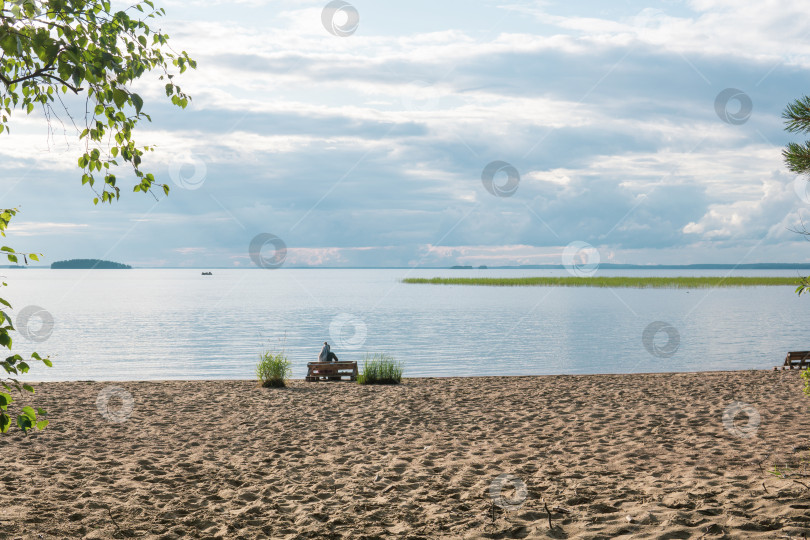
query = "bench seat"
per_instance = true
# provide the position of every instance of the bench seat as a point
(331, 371)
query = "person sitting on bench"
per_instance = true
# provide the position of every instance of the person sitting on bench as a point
(326, 354)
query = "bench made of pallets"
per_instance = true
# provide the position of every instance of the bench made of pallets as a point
(331, 371)
(798, 359)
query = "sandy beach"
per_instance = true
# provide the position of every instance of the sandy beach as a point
(601, 456)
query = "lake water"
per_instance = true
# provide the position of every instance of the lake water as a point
(176, 324)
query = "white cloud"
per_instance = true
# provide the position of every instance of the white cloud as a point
(190, 250)
(560, 177)
(27, 228)
(770, 30)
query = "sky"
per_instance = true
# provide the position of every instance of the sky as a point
(445, 133)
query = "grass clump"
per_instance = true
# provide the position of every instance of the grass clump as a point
(273, 370)
(703, 282)
(380, 369)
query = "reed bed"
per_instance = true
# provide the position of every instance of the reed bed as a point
(703, 282)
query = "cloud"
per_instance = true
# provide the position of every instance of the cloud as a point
(190, 250)
(27, 228)
(758, 31)
(369, 149)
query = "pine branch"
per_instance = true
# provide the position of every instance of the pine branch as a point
(797, 157)
(797, 116)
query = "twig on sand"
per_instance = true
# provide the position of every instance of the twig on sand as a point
(548, 514)
(492, 515)
(802, 484)
(759, 463)
(117, 528)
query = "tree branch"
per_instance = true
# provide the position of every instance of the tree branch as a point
(41, 72)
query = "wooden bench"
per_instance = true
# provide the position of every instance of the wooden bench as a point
(797, 359)
(331, 371)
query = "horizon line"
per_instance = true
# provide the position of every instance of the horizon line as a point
(696, 266)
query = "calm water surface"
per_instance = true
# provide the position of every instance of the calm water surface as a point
(177, 324)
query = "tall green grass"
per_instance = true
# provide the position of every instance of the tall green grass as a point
(380, 369)
(273, 370)
(703, 282)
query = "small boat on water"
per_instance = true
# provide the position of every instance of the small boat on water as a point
(208, 273)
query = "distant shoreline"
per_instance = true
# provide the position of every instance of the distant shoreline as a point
(611, 266)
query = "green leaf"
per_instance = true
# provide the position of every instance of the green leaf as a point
(119, 97)
(5, 422)
(137, 102)
(25, 422)
(5, 400)
(42, 424)
(29, 412)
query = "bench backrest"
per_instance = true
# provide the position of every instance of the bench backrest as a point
(333, 364)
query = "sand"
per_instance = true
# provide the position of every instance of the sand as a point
(638, 456)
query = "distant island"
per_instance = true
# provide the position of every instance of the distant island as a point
(83, 264)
